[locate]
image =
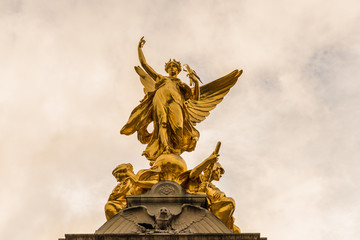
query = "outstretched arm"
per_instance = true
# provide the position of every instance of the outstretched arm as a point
(202, 166)
(143, 62)
(143, 184)
(146, 184)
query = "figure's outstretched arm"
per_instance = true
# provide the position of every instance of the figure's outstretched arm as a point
(142, 183)
(146, 184)
(143, 62)
(202, 166)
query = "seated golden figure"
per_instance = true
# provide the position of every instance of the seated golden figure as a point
(220, 205)
(199, 182)
(129, 184)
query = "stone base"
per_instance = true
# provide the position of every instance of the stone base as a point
(231, 236)
(166, 212)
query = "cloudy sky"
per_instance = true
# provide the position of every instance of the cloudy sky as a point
(289, 127)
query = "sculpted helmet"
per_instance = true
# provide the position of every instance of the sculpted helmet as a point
(216, 166)
(122, 168)
(178, 65)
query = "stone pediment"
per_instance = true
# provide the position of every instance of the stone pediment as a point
(166, 208)
(167, 194)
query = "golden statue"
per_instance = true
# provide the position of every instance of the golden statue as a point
(129, 184)
(220, 205)
(173, 107)
(199, 182)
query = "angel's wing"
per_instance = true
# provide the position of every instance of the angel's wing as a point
(146, 80)
(195, 219)
(211, 94)
(129, 220)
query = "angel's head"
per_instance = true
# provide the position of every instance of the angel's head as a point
(173, 67)
(123, 171)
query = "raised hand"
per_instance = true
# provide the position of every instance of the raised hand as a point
(191, 74)
(141, 42)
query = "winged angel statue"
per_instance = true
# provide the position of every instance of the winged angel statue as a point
(173, 107)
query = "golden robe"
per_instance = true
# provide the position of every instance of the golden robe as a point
(165, 107)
